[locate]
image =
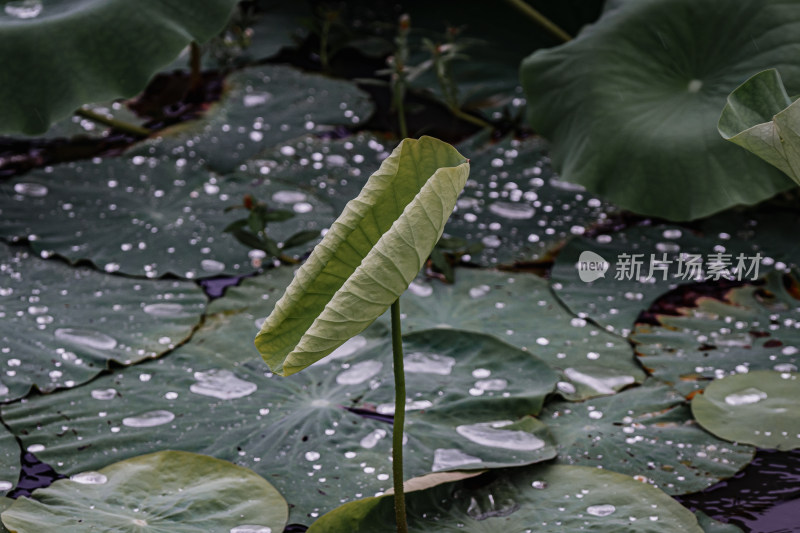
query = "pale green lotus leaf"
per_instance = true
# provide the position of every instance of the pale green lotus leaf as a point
(60, 54)
(760, 408)
(163, 492)
(545, 499)
(368, 257)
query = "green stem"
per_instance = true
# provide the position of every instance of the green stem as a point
(196, 76)
(399, 421)
(120, 125)
(540, 19)
(323, 43)
(470, 118)
(401, 116)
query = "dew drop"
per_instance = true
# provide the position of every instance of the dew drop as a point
(312, 456)
(85, 337)
(222, 384)
(35, 448)
(447, 458)
(479, 291)
(372, 439)
(104, 394)
(166, 310)
(359, 373)
(212, 265)
(425, 363)
(601, 510)
(491, 434)
(512, 211)
(249, 528)
(256, 99)
(288, 197)
(149, 419)
(423, 290)
(746, 397)
(89, 478)
(24, 9)
(5, 485)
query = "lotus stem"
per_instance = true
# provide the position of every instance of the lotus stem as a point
(195, 65)
(120, 125)
(470, 118)
(540, 19)
(399, 421)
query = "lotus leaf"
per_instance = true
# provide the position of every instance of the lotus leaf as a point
(760, 117)
(368, 257)
(760, 408)
(212, 395)
(645, 432)
(46, 44)
(146, 215)
(62, 326)
(752, 328)
(541, 498)
(521, 310)
(631, 103)
(164, 492)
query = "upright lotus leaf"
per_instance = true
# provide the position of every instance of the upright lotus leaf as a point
(368, 257)
(164, 492)
(631, 103)
(62, 326)
(60, 54)
(148, 215)
(761, 118)
(748, 328)
(646, 432)
(760, 408)
(521, 310)
(546, 499)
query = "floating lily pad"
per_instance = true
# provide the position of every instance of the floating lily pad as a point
(167, 491)
(632, 108)
(62, 326)
(214, 395)
(646, 262)
(264, 106)
(614, 432)
(520, 309)
(754, 328)
(542, 498)
(760, 408)
(9, 463)
(46, 42)
(146, 215)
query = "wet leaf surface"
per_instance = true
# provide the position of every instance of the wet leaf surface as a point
(520, 309)
(759, 408)
(541, 498)
(62, 326)
(614, 432)
(146, 215)
(212, 396)
(754, 328)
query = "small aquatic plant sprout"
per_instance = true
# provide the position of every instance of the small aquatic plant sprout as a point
(365, 262)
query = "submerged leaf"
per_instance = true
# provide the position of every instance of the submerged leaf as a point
(368, 257)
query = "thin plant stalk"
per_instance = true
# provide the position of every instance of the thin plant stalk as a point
(399, 421)
(120, 125)
(195, 66)
(540, 19)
